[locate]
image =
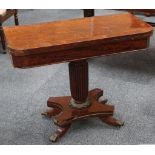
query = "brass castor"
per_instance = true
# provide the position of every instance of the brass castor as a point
(59, 133)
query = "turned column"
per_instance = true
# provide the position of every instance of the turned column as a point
(78, 73)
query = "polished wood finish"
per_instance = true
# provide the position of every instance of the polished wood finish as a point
(3, 18)
(78, 72)
(67, 115)
(48, 57)
(55, 42)
(74, 41)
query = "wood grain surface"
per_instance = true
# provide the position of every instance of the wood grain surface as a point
(75, 39)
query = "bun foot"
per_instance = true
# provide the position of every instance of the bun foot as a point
(112, 121)
(59, 133)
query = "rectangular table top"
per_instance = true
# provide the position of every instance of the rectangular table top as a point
(70, 40)
(25, 40)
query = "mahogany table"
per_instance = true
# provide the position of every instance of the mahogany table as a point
(75, 41)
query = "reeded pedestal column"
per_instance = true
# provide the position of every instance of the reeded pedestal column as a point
(78, 72)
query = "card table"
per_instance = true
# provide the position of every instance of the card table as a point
(75, 41)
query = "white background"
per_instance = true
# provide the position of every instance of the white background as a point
(77, 4)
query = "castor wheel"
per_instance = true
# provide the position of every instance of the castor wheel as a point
(119, 123)
(46, 114)
(54, 137)
(59, 133)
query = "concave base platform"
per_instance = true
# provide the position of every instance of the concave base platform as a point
(64, 114)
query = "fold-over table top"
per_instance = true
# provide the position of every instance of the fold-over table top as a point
(68, 34)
